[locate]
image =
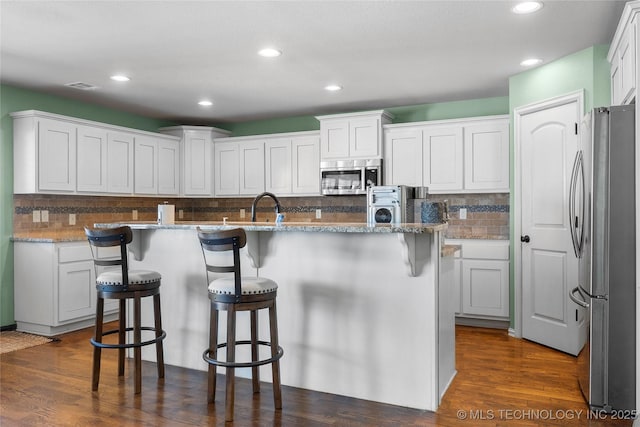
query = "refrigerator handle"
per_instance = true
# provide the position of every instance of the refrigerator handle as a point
(580, 301)
(572, 207)
(580, 237)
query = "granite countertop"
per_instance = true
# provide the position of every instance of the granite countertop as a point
(50, 236)
(326, 227)
(74, 235)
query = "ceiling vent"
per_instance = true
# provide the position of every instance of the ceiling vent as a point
(81, 86)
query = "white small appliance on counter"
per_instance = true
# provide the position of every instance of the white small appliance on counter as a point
(166, 213)
(388, 204)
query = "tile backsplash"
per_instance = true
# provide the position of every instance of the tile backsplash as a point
(487, 214)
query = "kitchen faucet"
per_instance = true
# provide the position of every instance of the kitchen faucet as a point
(257, 199)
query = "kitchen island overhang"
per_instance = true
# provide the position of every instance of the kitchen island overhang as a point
(362, 311)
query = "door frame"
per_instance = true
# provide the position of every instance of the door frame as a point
(518, 113)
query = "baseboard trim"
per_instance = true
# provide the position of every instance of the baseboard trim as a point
(11, 327)
(483, 323)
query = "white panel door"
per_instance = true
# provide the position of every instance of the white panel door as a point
(364, 138)
(56, 155)
(334, 137)
(120, 163)
(227, 169)
(146, 167)
(76, 290)
(251, 167)
(91, 162)
(305, 162)
(403, 157)
(549, 266)
(442, 157)
(277, 160)
(485, 287)
(486, 157)
(198, 162)
(168, 167)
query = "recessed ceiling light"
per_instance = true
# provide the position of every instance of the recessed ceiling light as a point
(120, 78)
(269, 52)
(333, 88)
(205, 103)
(526, 7)
(531, 62)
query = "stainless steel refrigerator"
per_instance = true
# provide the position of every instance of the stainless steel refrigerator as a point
(602, 210)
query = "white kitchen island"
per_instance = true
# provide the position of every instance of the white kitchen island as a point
(362, 311)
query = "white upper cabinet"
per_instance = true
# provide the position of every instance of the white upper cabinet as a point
(120, 163)
(196, 147)
(239, 167)
(65, 155)
(226, 168)
(285, 164)
(443, 158)
(251, 167)
(277, 162)
(622, 56)
(305, 165)
(292, 165)
(352, 136)
(486, 157)
(157, 166)
(91, 160)
(449, 156)
(403, 157)
(56, 155)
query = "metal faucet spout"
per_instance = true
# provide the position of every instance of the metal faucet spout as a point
(257, 199)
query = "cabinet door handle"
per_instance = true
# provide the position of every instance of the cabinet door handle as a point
(525, 238)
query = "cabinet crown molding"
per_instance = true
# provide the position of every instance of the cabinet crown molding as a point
(631, 9)
(84, 122)
(384, 114)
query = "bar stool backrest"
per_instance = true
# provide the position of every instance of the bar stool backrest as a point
(220, 241)
(108, 237)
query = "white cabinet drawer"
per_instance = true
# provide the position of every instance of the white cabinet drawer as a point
(73, 253)
(482, 249)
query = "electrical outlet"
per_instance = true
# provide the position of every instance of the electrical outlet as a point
(243, 213)
(44, 215)
(463, 213)
(72, 219)
(318, 213)
(36, 216)
(134, 215)
(180, 214)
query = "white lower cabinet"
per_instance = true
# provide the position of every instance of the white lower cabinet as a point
(481, 274)
(55, 287)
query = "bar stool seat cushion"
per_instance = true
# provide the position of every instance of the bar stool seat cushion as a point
(136, 277)
(250, 286)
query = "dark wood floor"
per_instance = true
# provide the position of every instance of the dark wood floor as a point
(501, 381)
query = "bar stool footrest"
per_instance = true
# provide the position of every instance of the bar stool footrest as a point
(207, 358)
(130, 344)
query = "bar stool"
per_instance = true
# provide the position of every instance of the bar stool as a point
(124, 284)
(234, 294)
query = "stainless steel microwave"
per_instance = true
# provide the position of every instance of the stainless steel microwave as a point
(347, 177)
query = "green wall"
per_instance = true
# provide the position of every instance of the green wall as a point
(411, 113)
(15, 99)
(587, 69)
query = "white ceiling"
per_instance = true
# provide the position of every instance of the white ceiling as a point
(384, 53)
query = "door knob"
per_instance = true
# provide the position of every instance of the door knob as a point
(525, 239)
